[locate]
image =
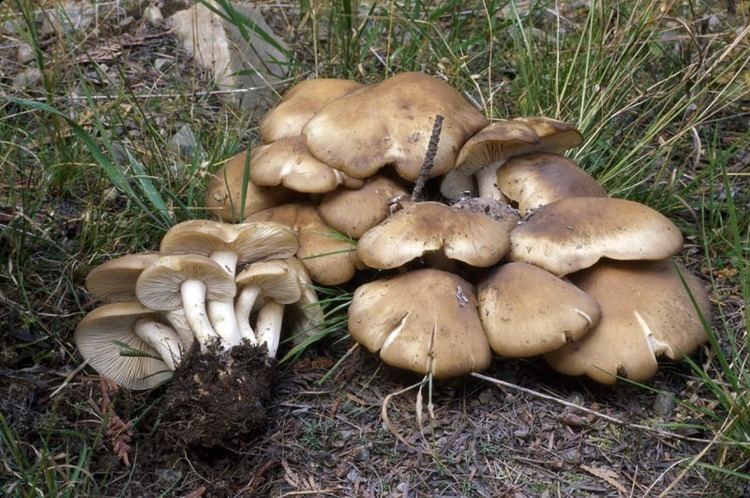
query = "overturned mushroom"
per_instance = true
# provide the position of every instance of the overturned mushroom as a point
(574, 233)
(109, 336)
(646, 312)
(425, 321)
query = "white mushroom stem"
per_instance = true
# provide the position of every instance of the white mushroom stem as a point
(242, 311)
(178, 321)
(193, 294)
(162, 338)
(487, 181)
(221, 313)
(269, 326)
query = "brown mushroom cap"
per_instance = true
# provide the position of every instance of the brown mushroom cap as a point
(646, 312)
(501, 140)
(250, 241)
(421, 228)
(329, 257)
(300, 103)
(288, 163)
(535, 180)
(114, 281)
(104, 337)
(527, 311)
(224, 192)
(353, 212)
(575, 233)
(425, 321)
(391, 123)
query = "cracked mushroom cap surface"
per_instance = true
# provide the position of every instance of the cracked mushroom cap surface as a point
(391, 123)
(224, 192)
(250, 241)
(105, 336)
(114, 281)
(353, 212)
(501, 140)
(527, 311)
(287, 163)
(158, 285)
(421, 228)
(646, 313)
(329, 257)
(535, 180)
(574, 233)
(425, 321)
(299, 104)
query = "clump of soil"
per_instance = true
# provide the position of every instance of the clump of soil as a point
(218, 399)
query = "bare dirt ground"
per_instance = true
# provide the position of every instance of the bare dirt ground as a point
(330, 438)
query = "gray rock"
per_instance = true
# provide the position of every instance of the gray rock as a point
(664, 404)
(162, 63)
(253, 66)
(27, 78)
(184, 143)
(24, 53)
(153, 15)
(68, 17)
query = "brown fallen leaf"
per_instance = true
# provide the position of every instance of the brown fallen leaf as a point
(607, 475)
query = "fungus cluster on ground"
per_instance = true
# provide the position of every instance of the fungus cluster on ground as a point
(516, 252)
(502, 258)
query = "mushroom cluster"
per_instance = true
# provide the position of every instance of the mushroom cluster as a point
(215, 284)
(518, 252)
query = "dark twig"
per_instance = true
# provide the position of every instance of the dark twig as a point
(429, 160)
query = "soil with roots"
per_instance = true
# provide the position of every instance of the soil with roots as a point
(218, 400)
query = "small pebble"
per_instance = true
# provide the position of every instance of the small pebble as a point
(664, 404)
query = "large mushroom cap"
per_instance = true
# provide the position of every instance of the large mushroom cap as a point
(114, 281)
(158, 286)
(486, 151)
(329, 257)
(106, 340)
(425, 321)
(391, 123)
(249, 241)
(353, 212)
(288, 163)
(300, 103)
(527, 311)
(575, 233)
(224, 192)
(535, 180)
(646, 313)
(421, 228)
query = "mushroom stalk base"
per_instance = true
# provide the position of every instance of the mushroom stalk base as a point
(194, 303)
(162, 338)
(487, 181)
(224, 322)
(269, 326)
(242, 310)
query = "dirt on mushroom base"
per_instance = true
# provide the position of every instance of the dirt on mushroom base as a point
(218, 400)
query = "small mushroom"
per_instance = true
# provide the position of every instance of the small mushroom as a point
(300, 103)
(390, 123)
(287, 162)
(353, 212)
(425, 321)
(485, 152)
(229, 245)
(186, 281)
(224, 192)
(115, 280)
(535, 180)
(527, 311)
(329, 256)
(575, 233)
(109, 336)
(437, 232)
(646, 312)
